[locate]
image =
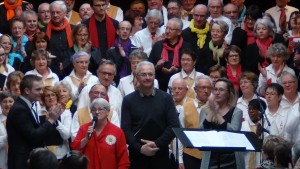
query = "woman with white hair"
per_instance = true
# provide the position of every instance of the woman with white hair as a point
(256, 53)
(146, 37)
(106, 138)
(80, 76)
(278, 54)
(66, 96)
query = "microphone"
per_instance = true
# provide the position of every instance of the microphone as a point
(94, 122)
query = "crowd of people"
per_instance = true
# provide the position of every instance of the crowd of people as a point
(102, 89)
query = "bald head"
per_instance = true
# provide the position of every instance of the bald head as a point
(201, 7)
(179, 81)
(179, 89)
(97, 91)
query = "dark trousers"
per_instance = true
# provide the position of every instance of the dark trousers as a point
(140, 161)
(191, 162)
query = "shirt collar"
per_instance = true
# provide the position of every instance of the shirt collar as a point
(184, 75)
(278, 8)
(85, 75)
(279, 112)
(152, 94)
(296, 101)
(50, 75)
(131, 78)
(26, 101)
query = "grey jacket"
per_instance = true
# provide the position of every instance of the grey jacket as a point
(235, 125)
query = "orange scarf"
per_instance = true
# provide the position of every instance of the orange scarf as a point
(66, 26)
(10, 9)
(31, 37)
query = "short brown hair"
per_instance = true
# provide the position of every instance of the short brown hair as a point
(36, 54)
(249, 76)
(15, 19)
(221, 69)
(27, 82)
(269, 144)
(52, 89)
(137, 2)
(13, 77)
(189, 52)
(130, 16)
(37, 37)
(232, 48)
(77, 29)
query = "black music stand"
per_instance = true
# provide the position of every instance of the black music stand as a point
(253, 139)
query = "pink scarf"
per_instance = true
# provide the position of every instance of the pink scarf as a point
(166, 48)
(264, 48)
(251, 38)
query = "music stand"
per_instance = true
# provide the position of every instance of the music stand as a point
(253, 139)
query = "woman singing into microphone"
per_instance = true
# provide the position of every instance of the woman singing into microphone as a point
(107, 146)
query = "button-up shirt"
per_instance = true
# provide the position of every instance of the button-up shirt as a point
(278, 121)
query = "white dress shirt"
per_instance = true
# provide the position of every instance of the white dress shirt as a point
(185, 17)
(92, 79)
(262, 81)
(114, 95)
(278, 121)
(3, 142)
(286, 104)
(186, 24)
(143, 38)
(119, 16)
(231, 27)
(75, 122)
(70, 15)
(275, 12)
(126, 85)
(241, 104)
(10, 69)
(51, 75)
(293, 124)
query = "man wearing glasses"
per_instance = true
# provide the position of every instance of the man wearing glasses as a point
(188, 9)
(102, 28)
(165, 53)
(174, 9)
(71, 16)
(231, 12)
(148, 116)
(158, 5)
(43, 15)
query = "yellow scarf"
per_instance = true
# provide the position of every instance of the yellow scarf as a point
(201, 33)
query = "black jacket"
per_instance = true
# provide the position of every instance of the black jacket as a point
(192, 38)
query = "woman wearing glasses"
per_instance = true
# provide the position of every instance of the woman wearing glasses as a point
(221, 114)
(80, 75)
(212, 54)
(107, 143)
(5, 69)
(49, 98)
(81, 40)
(291, 96)
(6, 42)
(136, 20)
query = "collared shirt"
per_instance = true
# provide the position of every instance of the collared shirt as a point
(286, 104)
(119, 16)
(241, 104)
(262, 81)
(277, 121)
(185, 17)
(293, 125)
(231, 27)
(70, 15)
(51, 75)
(10, 69)
(144, 95)
(275, 12)
(29, 104)
(143, 38)
(126, 85)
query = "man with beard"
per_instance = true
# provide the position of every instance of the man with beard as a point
(174, 8)
(44, 15)
(71, 16)
(231, 12)
(85, 12)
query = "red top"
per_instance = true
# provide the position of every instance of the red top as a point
(107, 151)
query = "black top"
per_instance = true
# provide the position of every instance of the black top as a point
(239, 38)
(227, 117)
(155, 56)
(4, 28)
(192, 38)
(102, 34)
(138, 109)
(205, 59)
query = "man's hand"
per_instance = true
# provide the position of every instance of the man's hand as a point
(160, 64)
(149, 149)
(169, 71)
(121, 50)
(181, 166)
(54, 113)
(29, 7)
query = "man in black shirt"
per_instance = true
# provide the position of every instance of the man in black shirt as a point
(148, 116)
(102, 28)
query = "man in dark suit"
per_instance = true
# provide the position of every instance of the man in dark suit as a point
(23, 126)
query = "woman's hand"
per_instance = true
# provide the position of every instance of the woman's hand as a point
(90, 130)
(294, 45)
(81, 86)
(215, 54)
(279, 71)
(173, 69)
(286, 37)
(223, 48)
(18, 11)
(258, 129)
(88, 47)
(262, 70)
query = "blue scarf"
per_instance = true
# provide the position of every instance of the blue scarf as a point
(240, 20)
(126, 47)
(12, 56)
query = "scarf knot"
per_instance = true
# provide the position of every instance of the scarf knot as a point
(66, 26)
(11, 9)
(264, 48)
(212, 48)
(166, 48)
(201, 33)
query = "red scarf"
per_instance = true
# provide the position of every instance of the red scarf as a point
(110, 32)
(166, 48)
(234, 80)
(264, 48)
(251, 38)
(31, 37)
(66, 26)
(11, 9)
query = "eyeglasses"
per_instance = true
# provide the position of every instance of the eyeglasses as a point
(82, 62)
(154, 23)
(186, 60)
(229, 12)
(106, 73)
(82, 35)
(124, 29)
(138, 18)
(171, 29)
(250, 19)
(146, 74)
(6, 43)
(201, 88)
(233, 56)
(289, 82)
(221, 90)
(244, 82)
(97, 93)
(94, 110)
(2, 55)
(17, 28)
(272, 94)
(175, 88)
(50, 95)
(216, 31)
(100, 6)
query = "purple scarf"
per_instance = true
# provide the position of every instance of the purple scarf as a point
(123, 69)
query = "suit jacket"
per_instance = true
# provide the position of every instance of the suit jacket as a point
(24, 134)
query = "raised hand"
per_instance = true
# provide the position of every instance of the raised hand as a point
(169, 71)
(262, 70)
(223, 48)
(18, 11)
(81, 86)
(279, 71)
(121, 50)
(160, 64)
(29, 7)
(260, 52)
(215, 54)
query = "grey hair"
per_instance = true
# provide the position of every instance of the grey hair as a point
(284, 74)
(107, 62)
(137, 53)
(223, 26)
(78, 54)
(177, 21)
(66, 84)
(198, 5)
(143, 63)
(154, 13)
(31, 12)
(237, 8)
(272, 20)
(209, 1)
(59, 3)
(182, 81)
(296, 151)
(278, 49)
(41, 5)
(203, 77)
(268, 24)
(101, 103)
